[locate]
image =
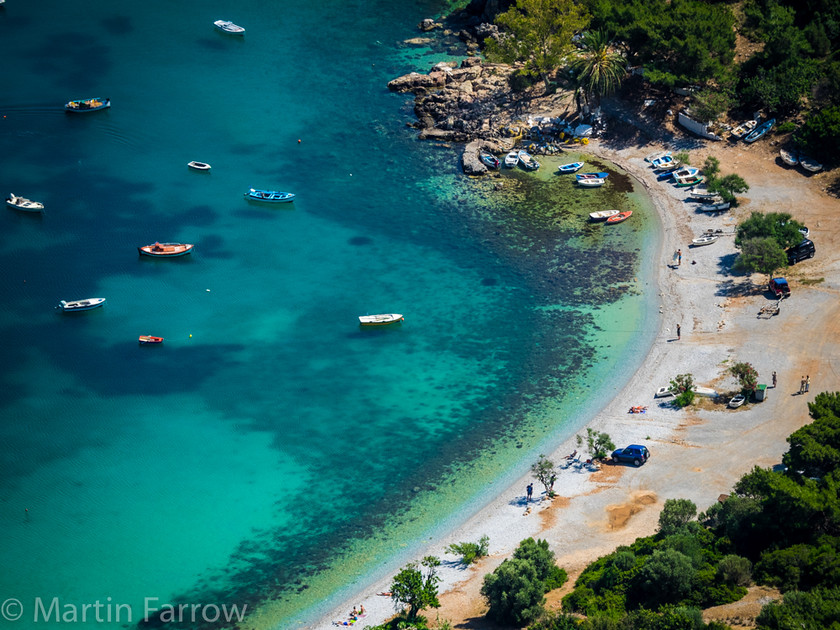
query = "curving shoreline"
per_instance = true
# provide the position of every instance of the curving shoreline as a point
(699, 453)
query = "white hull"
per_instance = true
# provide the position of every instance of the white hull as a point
(81, 305)
(602, 215)
(590, 183)
(703, 240)
(199, 166)
(382, 319)
(21, 203)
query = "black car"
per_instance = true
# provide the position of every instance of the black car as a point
(804, 250)
(635, 454)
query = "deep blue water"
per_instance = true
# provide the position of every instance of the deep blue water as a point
(271, 451)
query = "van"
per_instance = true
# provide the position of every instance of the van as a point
(804, 250)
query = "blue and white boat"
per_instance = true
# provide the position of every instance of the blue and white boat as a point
(758, 132)
(271, 196)
(592, 176)
(227, 26)
(489, 160)
(668, 172)
(570, 168)
(662, 162)
(527, 161)
(512, 159)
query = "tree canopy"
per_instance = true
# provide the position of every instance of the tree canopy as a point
(416, 586)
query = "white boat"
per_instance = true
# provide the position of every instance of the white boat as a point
(714, 207)
(791, 158)
(703, 240)
(736, 401)
(657, 155)
(744, 128)
(80, 305)
(199, 166)
(591, 182)
(685, 173)
(703, 194)
(382, 319)
(663, 162)
(527, 161)
(810, 164)
(663, 392)
(22, 203)
(229, 27)
(603, 215)
(706, 392)
(512, 159)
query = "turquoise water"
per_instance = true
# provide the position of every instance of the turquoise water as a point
(271, 452)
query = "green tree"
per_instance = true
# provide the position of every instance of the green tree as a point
(728, 186)
(820, 133)
(711, 167)
(599, 69)
(815, 448)
(416, 586)
(683, 387)
(470, 551)
(543, 470)
(598, 444)
(735, 570)
(665, 578)
(747, 376)
(817, 610)
(675, 515)
(777, 225)
(760, 255)
(514, 593)
(537, 553)
(537, 32)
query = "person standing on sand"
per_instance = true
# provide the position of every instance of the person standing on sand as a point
(802, 385)
(679, 257)
(807, 383)
(774, 380)
(679, 330)
(551, 483)
(529, 491)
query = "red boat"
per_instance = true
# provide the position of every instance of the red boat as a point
(148, 339)
(621, 216)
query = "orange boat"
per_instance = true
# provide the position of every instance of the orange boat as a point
(621, 216)
(166, 250)
(148, 339)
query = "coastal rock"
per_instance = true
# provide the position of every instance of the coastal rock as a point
(470, 160)
(428, 24)
(414, 82)
(418, 41)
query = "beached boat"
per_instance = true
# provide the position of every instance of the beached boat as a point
(743, 129)
(691, 180)
(80, 305)
(603, 215)
(663, 392)
(736, 401)
(703, 240)
(527, 161)
(706, 392)
(687, 171)
(810, 164)
(149, 340)
(667, 172)
(663, 162)
(199, 166)
(166, 250)
(570, 168)
(791, 158)
(382, 319)
(489, 160)
(87, 105)
(621, 216)
(592, 176)
(657, 155)
(760, 131)
(714, 207)
(229, 27)
(703, 194)
(591, 182)
(512, 159)
(22, 203)
(272, 196)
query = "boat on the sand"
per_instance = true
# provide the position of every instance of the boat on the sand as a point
(743, 129)
(791, 158)
(706, 239)
(760, 131)
(809, 164)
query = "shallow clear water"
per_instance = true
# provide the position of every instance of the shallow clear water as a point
(271, 450)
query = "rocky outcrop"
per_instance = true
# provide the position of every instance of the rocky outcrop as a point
(471, 157)
(458, 103)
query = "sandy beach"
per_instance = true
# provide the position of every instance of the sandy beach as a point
(697, 453)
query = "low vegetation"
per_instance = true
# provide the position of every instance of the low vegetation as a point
(470, 551)
(598, 444)
(682, 385)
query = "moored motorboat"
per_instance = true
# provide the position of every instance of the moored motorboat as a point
(591, 182)
(149, 340)
(227, 26)
(810, 164)
(570, 168)
(489, 160)
(87, 105)
(272, 196)
(743, 129)
(603, 215)
(199, 166)
(381, 319)
(80, 305)
(703, 240)
(621, 216)
(759, 131)
(592, 176)
(22, 203)
(166, 250)
(791, 158)
(527, 161)
(512, 159)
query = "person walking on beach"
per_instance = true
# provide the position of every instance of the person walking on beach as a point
(529, 491)
(802, 385)
(551, 483)
(679, 331)
(807, 383)
(774, 380)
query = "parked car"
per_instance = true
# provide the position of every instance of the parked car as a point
(804, 250)
(635, 454)
(779, 287)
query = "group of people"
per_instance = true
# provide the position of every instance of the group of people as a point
(354, 616)
(805, 384)
(638, 409)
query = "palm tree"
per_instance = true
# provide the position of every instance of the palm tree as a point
(600, 70)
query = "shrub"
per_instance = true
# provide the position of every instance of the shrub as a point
(470, 551)
(514, 593)
(747, 376)
(683, 387)
(735, 570)
(598, 444)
